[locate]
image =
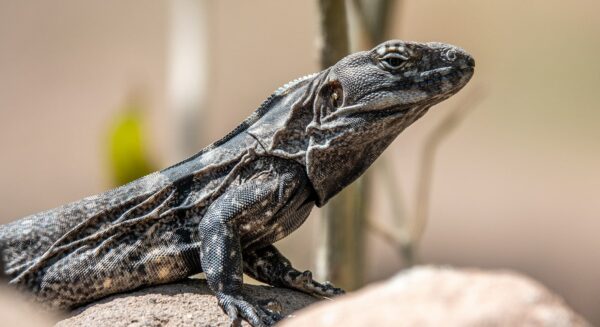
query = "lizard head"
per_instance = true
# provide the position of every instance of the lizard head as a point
(368, 98)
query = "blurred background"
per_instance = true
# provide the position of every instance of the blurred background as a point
(515, 186)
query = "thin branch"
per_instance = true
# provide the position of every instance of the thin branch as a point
(340, 254)
(334, 36)
(375, 17)
(392, 188)
(439, 133)
(390, 235)
(407, 243)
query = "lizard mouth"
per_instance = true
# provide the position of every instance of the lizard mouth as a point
(387, 106)
(445, 71)
(441, 71)
(449, 78)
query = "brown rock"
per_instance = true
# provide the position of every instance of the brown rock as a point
(430, 296)
(186, 303)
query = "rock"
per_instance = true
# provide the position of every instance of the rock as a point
(430, 296)
(186, 303)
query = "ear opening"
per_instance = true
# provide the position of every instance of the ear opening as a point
(330, 98)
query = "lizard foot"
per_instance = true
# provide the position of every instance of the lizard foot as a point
(272, 305)
(237, 309)
(304, 282)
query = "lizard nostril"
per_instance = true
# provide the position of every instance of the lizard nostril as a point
(449, 55)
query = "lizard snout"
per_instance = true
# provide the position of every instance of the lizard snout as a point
(458, 57)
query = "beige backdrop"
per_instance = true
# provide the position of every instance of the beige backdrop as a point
(516, 186)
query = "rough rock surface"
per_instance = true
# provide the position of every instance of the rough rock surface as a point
(424, 296)
(430, 296)
(187, 303)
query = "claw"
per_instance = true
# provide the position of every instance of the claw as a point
(237, 322)
(237, 308)
(271, 305)
(232, 313)
(306, 276)
(304, 282)
(329, 288)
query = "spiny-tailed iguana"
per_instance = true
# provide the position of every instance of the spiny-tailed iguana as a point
(220, 211)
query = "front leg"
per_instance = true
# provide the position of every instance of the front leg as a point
(221, 257)
(269, 266)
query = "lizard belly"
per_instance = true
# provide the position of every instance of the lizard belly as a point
(267, 227)
(162, 253)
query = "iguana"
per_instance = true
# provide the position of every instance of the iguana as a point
(220, 211)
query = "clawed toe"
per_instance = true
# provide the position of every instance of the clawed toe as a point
(237, 309)
(304, 282)
(330, 289)
(306, 277)
(271, 305)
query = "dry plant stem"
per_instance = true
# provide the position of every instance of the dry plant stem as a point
(401, 227)
(189, 72)
(340, 257)
(374, 17)
(370, 21)
(406, 243)
(439, 133)
(334, 35)
(397, 236)
(392, 236)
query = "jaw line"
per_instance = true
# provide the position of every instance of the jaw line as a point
(387, 103)
(442, 70)
(391, 102)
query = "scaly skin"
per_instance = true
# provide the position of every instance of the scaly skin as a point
(221, 210)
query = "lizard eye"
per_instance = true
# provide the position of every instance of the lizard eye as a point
(393, 60)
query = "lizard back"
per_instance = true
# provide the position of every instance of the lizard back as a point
(148, 224)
